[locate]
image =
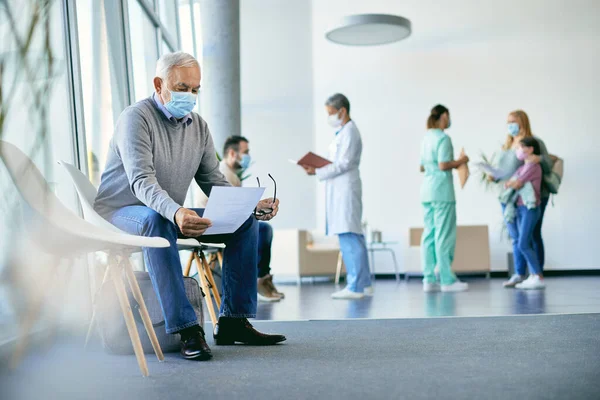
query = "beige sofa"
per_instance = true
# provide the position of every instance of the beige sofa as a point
(299, 253)
(472, 253)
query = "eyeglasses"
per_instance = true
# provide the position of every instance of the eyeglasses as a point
(266, 211)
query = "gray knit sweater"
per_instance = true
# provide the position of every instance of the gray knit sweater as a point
(152, 161)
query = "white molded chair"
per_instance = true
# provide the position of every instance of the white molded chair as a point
(87, 194)
(64, 235)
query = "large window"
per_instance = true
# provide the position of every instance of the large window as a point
(186, 27)
(97, 83)
(144, 49)
(36, 109)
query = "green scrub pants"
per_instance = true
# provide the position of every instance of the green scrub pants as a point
(438, 241)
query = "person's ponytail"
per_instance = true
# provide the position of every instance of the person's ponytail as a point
(435, 115)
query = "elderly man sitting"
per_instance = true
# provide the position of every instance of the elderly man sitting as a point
(158, 147)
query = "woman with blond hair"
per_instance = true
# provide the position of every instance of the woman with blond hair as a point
(519, 128)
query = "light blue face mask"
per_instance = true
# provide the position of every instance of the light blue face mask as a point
(449, 123)
(246, 160)
(181, 103)
(513, 128)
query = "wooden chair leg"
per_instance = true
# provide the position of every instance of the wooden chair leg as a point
(93, 320)
(137, 294)
(188, 266)
(212, 259)
(205, 289)
(220, 258)
(128, 314)
(211, 280)
(338, 271)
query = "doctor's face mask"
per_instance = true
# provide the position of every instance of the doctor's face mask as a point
(335, 117)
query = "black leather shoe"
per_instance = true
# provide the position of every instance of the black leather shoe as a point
(238, 330)
(194, 347)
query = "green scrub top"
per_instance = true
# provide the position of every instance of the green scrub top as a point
(438, 185)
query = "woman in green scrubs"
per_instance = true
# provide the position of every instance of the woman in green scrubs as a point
(439, 204)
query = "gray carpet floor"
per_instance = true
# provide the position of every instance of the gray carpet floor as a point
(526, 357)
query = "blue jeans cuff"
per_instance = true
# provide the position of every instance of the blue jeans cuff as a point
(232, 315)
(181, 327)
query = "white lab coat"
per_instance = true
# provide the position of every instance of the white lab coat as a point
(343, 183)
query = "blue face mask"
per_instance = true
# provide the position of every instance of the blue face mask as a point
(181, 104)
(449, 123)
(246, 160)
(513, 128)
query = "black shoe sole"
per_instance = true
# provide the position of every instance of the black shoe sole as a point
(231, 342)
(198, 357)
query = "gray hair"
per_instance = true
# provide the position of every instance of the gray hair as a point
(171, 60)
(338, 101)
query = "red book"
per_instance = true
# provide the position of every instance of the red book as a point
(312, 160)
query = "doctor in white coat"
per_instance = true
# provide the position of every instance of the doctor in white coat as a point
(344, 197)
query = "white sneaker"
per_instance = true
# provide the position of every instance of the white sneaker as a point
(431, 287)
(347, 294)
(369, 291)
(266, 299)
(513, 281)
(457, 286)
(532, 283)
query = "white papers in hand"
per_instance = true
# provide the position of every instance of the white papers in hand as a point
(229, 207)
(488, 169)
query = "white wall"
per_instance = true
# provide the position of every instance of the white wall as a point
(482, 60)
(277, 109)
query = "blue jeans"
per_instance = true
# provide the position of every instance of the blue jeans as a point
(265, 239)
(521, 233)
(538, 242)
(164, 265)
(356, 260)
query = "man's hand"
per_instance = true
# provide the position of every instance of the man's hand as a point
(267, 205)
(309, 170)
(463, 159)
(190, 223)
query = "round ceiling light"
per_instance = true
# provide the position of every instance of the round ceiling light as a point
(369, 30)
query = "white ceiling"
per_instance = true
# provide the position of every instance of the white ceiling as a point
(455, 22)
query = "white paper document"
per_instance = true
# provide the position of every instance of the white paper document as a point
(488, 169)
(229, 207)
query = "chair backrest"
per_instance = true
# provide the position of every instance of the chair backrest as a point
(53, 216)
(33, 188)
(87, 194)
